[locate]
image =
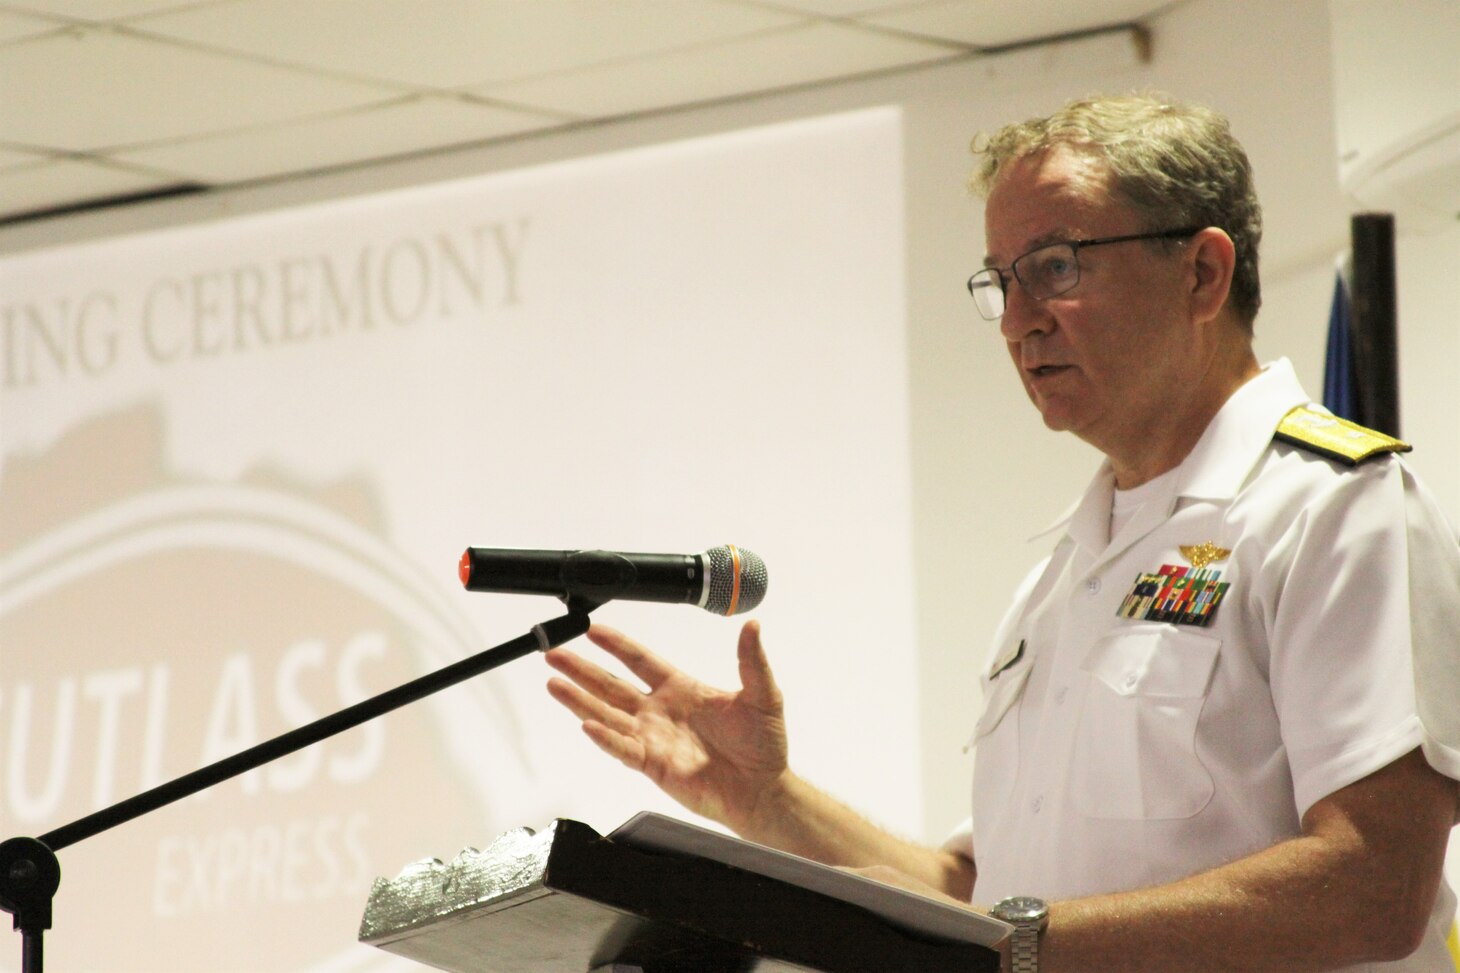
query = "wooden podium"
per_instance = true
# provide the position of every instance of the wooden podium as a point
(567, 900)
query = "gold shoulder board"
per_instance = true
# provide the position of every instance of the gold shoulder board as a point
(1328, 435)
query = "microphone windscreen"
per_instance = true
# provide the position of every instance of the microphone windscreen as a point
(738, 580)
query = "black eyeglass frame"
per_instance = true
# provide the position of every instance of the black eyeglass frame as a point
(999, 273)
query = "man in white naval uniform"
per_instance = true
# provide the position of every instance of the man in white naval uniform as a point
(1202, 747)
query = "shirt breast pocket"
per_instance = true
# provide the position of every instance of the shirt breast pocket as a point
(1135, 751)
(996, 739)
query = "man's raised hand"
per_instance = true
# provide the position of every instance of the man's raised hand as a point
(717, 752)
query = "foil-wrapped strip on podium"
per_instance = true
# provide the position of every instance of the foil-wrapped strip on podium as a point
(663, 896)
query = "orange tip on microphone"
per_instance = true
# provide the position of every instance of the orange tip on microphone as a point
(464, 569)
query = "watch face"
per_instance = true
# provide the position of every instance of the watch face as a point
(1021, 908)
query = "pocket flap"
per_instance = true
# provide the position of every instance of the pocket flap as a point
(1154, 660)
(999, 695)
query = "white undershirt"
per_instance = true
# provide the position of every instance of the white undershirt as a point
(1127, 502)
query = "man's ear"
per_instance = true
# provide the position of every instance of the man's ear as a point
(1213, 259)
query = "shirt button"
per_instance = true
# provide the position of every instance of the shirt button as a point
(1036, 804)
(1130, 681)
(1059, 696)
(1093, 586)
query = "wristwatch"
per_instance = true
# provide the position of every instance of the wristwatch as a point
(1028, 916)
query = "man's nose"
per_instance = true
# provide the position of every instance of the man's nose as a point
(1022, 314)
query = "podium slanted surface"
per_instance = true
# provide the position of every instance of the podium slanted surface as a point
(567, 900)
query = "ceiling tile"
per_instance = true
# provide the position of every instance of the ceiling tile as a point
(841, 8)
(801, 55)
(14, 26)
(458, 43)
(91, 89)
(989, 23)
(11, 157)
(238, 90)
(98, 10)
(67, 181)
(420, 124)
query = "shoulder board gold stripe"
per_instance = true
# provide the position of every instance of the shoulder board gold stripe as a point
(1338, 439)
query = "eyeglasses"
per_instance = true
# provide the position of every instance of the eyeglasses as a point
(1048, 271)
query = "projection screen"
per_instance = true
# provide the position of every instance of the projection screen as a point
(242, 456)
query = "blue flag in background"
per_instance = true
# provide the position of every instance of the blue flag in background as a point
(1340, 385)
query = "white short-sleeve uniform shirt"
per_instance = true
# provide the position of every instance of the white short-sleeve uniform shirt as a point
(1121, 747)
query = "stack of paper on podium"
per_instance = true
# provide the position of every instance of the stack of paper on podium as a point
(663, 896)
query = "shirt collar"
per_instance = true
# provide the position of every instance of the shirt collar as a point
(1217, 465)
(1240, 433)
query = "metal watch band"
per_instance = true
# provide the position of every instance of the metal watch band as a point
(1028, 915)
(1024, 948)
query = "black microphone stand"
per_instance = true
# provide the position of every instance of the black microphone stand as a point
(30, 872)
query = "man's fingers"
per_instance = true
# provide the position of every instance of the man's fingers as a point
(579, 703)
(625, 749)
(755, 669)
(639, 660)
(604, 719)
(595, 679)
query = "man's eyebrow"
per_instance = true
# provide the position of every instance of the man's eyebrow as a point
(1045, 240)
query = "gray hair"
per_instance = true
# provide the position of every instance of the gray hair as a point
(1174, 164)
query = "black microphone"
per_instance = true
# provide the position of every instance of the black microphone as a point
(725, 580)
